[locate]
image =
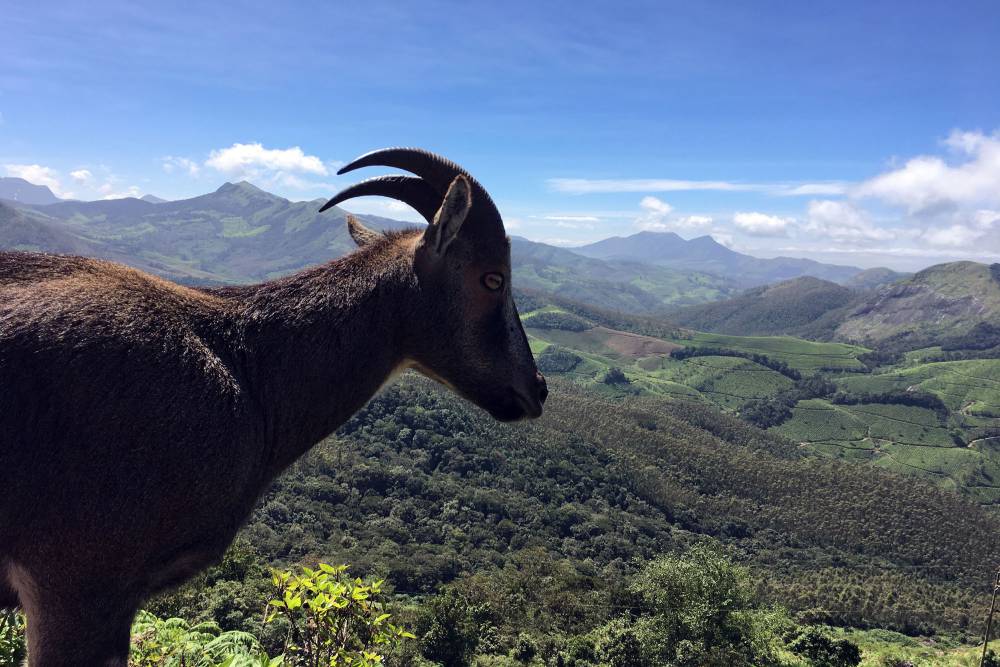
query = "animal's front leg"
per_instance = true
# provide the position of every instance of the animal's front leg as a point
(74, 623)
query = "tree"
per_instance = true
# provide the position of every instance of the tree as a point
(448, 630)
(695, 609)
(823, 651)
(615, 376)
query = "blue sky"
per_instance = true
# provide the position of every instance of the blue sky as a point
(861, 132)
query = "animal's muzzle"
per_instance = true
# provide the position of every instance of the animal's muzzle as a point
(541, 387)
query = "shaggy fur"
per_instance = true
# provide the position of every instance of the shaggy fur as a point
(141, 420)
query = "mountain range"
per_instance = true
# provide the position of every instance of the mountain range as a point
(237, 234)
(240, 233)
(914, 311)
(707, 255)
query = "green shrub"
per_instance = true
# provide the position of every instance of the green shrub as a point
(333, 619)
(12, 649)
(173, 642)
(557, 360)
(615, 376)
(823, 651)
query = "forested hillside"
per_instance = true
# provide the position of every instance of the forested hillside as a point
(539, 525)
(807, 307)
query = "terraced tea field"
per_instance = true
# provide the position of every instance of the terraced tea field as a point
(803, 355)
(902, 438)
(971, 387)
(723, 381)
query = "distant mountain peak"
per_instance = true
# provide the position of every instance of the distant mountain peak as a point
(241, 186)
(24, 192)
(152, 199)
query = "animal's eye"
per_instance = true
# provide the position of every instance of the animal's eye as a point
(492, 281)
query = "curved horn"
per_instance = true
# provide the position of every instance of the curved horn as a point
(436, 170)
(407, 189)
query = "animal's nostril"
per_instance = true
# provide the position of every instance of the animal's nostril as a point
(543, 389)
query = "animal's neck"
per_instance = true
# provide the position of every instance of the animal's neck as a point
(319, 344)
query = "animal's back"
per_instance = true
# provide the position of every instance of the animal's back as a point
(98, 367)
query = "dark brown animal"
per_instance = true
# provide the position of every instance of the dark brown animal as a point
(141, 420)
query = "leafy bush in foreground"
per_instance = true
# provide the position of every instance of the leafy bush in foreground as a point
(333, 619)
(173, 642)
(11, 638)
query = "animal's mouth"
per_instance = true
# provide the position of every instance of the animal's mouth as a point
(531, 408)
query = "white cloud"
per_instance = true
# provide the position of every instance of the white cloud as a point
(250, 160)
(561, 241)
(654, 216)
(37, 174)
(172, 163)
(953, 236)
(985, 219)
(655, 205)
(693, 222)
(843, 221)
(81, 176)
(590, 186)
(830, 188)
(761, 224)
(385, 208)
(723, 238)
(928, 182)
(108, 190)
(657, 217)
(572, 221)
(578, 186)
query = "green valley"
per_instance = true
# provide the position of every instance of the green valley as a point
(865, 415)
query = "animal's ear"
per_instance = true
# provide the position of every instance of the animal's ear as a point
(361, 234)
(450, 216)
